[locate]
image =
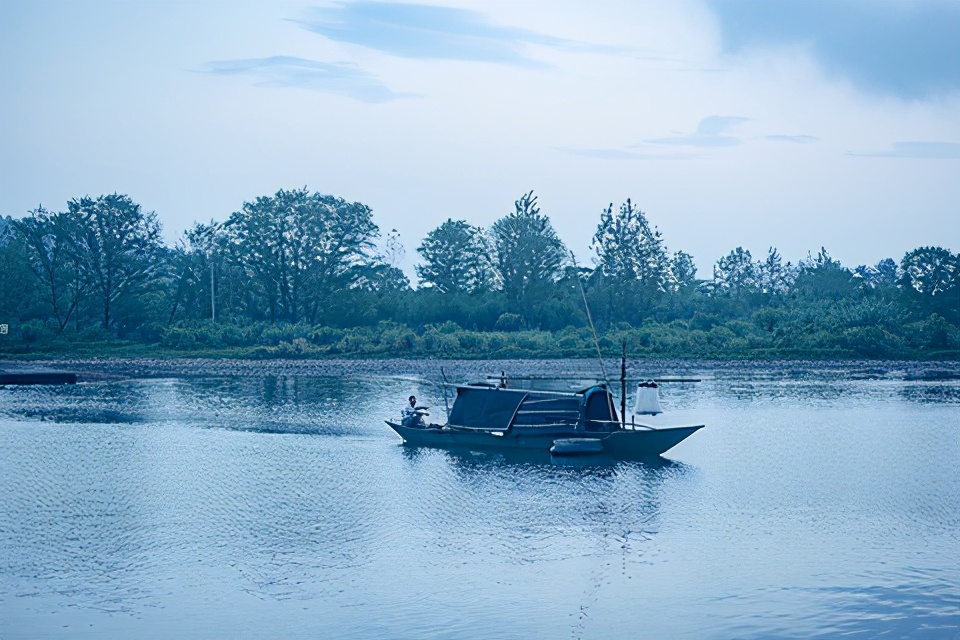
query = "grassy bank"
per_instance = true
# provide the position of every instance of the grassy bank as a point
(733, 340)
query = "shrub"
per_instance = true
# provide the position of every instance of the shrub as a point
(437, 343)
(508, 322)
(298, 348)
(326, 336)
(179, 338)
(33, 332)
(936, 333)
(397, 339)
(871, 342)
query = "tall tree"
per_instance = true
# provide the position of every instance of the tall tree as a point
(116, 245)
(302, 249)
(930, 271)
(197, 261)
(456, 258)
(529, 254)
(54, 260)
(736, 274)
(629, 248)
(823, 277)
(683, 270)
(930, 280)
(823, 261)
(882, 275)
(380, 277)
(774, 277)
(383, 274)
(18, 283)
(393, 251)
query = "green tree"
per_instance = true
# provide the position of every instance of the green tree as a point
(380, 277)
(629, 248)
(736, 274)
(930, 279)
(18, 283)
(529, 254)
(930, 271)
(302, 249)
(823, 278)
(882, 275)
(54, 260)
(683, 270)
(393, 251)
(456, 259)
(116, 245)
(382, 274)
(774, 277)
(197, 262)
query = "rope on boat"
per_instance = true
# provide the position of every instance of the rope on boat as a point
(593, 330)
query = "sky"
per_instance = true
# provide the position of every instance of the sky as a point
(796, 124)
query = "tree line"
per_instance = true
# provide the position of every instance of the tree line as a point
(302, 272)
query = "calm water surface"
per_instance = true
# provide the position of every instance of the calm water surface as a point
(813, 505)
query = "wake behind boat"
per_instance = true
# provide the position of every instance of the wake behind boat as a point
(585, 422)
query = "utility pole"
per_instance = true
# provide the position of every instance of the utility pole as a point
(213, 298)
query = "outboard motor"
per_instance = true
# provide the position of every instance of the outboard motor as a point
(648, 399)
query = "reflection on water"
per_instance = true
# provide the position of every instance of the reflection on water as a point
(282, 505)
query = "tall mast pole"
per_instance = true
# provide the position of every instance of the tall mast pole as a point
(593, 330)
(623, 386)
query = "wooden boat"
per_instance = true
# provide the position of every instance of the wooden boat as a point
(585, 422)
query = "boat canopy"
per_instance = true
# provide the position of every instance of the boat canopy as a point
(493, 409)
(485, 408)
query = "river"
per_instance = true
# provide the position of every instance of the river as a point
(182, 501)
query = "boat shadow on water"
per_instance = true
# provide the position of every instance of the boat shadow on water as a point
(471, 459)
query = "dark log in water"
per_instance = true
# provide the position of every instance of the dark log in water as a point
(38, 377)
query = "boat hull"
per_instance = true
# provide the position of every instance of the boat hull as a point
(626, 443)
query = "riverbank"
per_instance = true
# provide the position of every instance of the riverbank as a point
(931, 339)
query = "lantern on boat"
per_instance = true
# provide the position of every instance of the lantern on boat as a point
(647, 401)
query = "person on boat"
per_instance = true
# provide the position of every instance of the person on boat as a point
(410, 416)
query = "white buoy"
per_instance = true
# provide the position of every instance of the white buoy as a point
(647, 402)
(576, 446)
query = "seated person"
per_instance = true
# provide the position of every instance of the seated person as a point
(412, 415)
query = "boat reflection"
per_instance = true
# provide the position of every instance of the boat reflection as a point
(542, 509)
(484, 460)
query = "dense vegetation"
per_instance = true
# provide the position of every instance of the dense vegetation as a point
(299, 274)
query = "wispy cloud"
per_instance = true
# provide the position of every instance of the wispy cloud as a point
(907, 49)
(792, 139)
(431, 32)
(709, 133)
(916, 149)
(284, 71)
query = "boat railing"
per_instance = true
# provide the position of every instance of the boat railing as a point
(545, 425)
(547, 412)
(633, 426)
(616, 424)
(463, 427)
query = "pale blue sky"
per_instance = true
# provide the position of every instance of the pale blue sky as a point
(792, 123)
